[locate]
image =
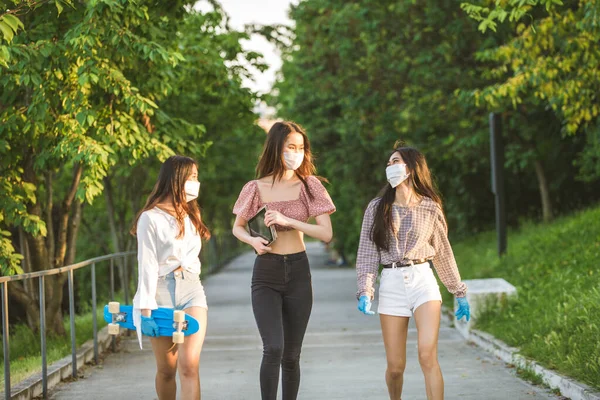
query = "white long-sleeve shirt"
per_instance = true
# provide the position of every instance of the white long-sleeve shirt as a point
(159, 253)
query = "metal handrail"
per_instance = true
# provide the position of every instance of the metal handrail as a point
(67, 268)
(42, 297)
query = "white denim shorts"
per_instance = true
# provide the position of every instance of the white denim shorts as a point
(403, 289)
(180, 290)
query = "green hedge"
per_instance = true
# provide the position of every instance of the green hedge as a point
(555, 318)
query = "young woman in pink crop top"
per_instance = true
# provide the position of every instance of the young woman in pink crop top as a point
(281, 281)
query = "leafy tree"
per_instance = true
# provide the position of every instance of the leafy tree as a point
(209, 91)
(358, 80)
(94, 97)
(69, 112)
(360, 75)
(551, 60)
(10, 24)
(206, 89)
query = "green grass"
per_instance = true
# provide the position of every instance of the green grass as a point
(25, 346)
(529, 375)
(555, 319)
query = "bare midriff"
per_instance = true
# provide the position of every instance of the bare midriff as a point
(288, 242)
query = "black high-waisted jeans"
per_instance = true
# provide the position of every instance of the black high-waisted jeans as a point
(282, 301)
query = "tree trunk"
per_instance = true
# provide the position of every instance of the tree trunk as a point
(29, 303)
(110, 210)
(544, 191)
(55, 308)
(114, 230)
(64, 251)
(56, 250)
(49, 209)
(72, 233)
(63, 222)
(27, 290)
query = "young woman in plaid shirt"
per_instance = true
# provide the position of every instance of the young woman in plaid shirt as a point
(405, 230)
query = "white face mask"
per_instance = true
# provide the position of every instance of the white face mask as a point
(192, 188)
(293, 160)
(396, 174)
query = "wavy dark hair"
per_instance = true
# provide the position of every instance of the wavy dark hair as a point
(422, 183)
(173, 174)
(271, 160)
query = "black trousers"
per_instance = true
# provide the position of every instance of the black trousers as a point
(282, 301)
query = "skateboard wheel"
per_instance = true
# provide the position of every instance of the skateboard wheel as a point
(178, 316)
(113, 329)
(113, 307)
(178, 337)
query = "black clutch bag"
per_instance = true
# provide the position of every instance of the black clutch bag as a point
(257, 227)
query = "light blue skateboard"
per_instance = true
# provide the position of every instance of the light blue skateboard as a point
(174, 323)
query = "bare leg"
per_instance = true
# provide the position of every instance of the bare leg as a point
(427, 317)
(166, 367)
(189, 357)
(395, 330)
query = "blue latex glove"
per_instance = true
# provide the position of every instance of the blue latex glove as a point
(149, 327)
(463, 308)
(364, 305)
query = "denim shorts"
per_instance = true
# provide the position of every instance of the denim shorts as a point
(403, 289)
(180, 290)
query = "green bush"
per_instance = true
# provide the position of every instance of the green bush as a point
(555, 319)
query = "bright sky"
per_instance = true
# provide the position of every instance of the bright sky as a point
(242, 12)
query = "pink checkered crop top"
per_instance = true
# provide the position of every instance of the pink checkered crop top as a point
(300, 209)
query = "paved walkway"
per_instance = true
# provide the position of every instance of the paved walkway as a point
(342, 358)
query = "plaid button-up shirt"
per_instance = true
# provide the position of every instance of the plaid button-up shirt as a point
(420, 232)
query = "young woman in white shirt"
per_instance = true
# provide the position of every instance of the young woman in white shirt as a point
(169, 231)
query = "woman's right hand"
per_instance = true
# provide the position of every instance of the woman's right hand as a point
(260, 245)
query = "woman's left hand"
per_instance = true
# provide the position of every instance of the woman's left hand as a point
(463, 308)
(276, 218)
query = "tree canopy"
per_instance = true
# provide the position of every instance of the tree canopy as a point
(360, 75)
(94, 96)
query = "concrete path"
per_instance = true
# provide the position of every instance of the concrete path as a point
(342, 358)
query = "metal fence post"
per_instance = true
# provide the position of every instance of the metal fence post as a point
(72, 317)
(5, 340)
(113, 340)
(126, 280)
(43, 338)
(94, 313)
(112, 279)
(497, 164)
(126, 285)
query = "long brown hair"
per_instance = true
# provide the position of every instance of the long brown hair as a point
(173, 174)
(422, 183)
(271, 160)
